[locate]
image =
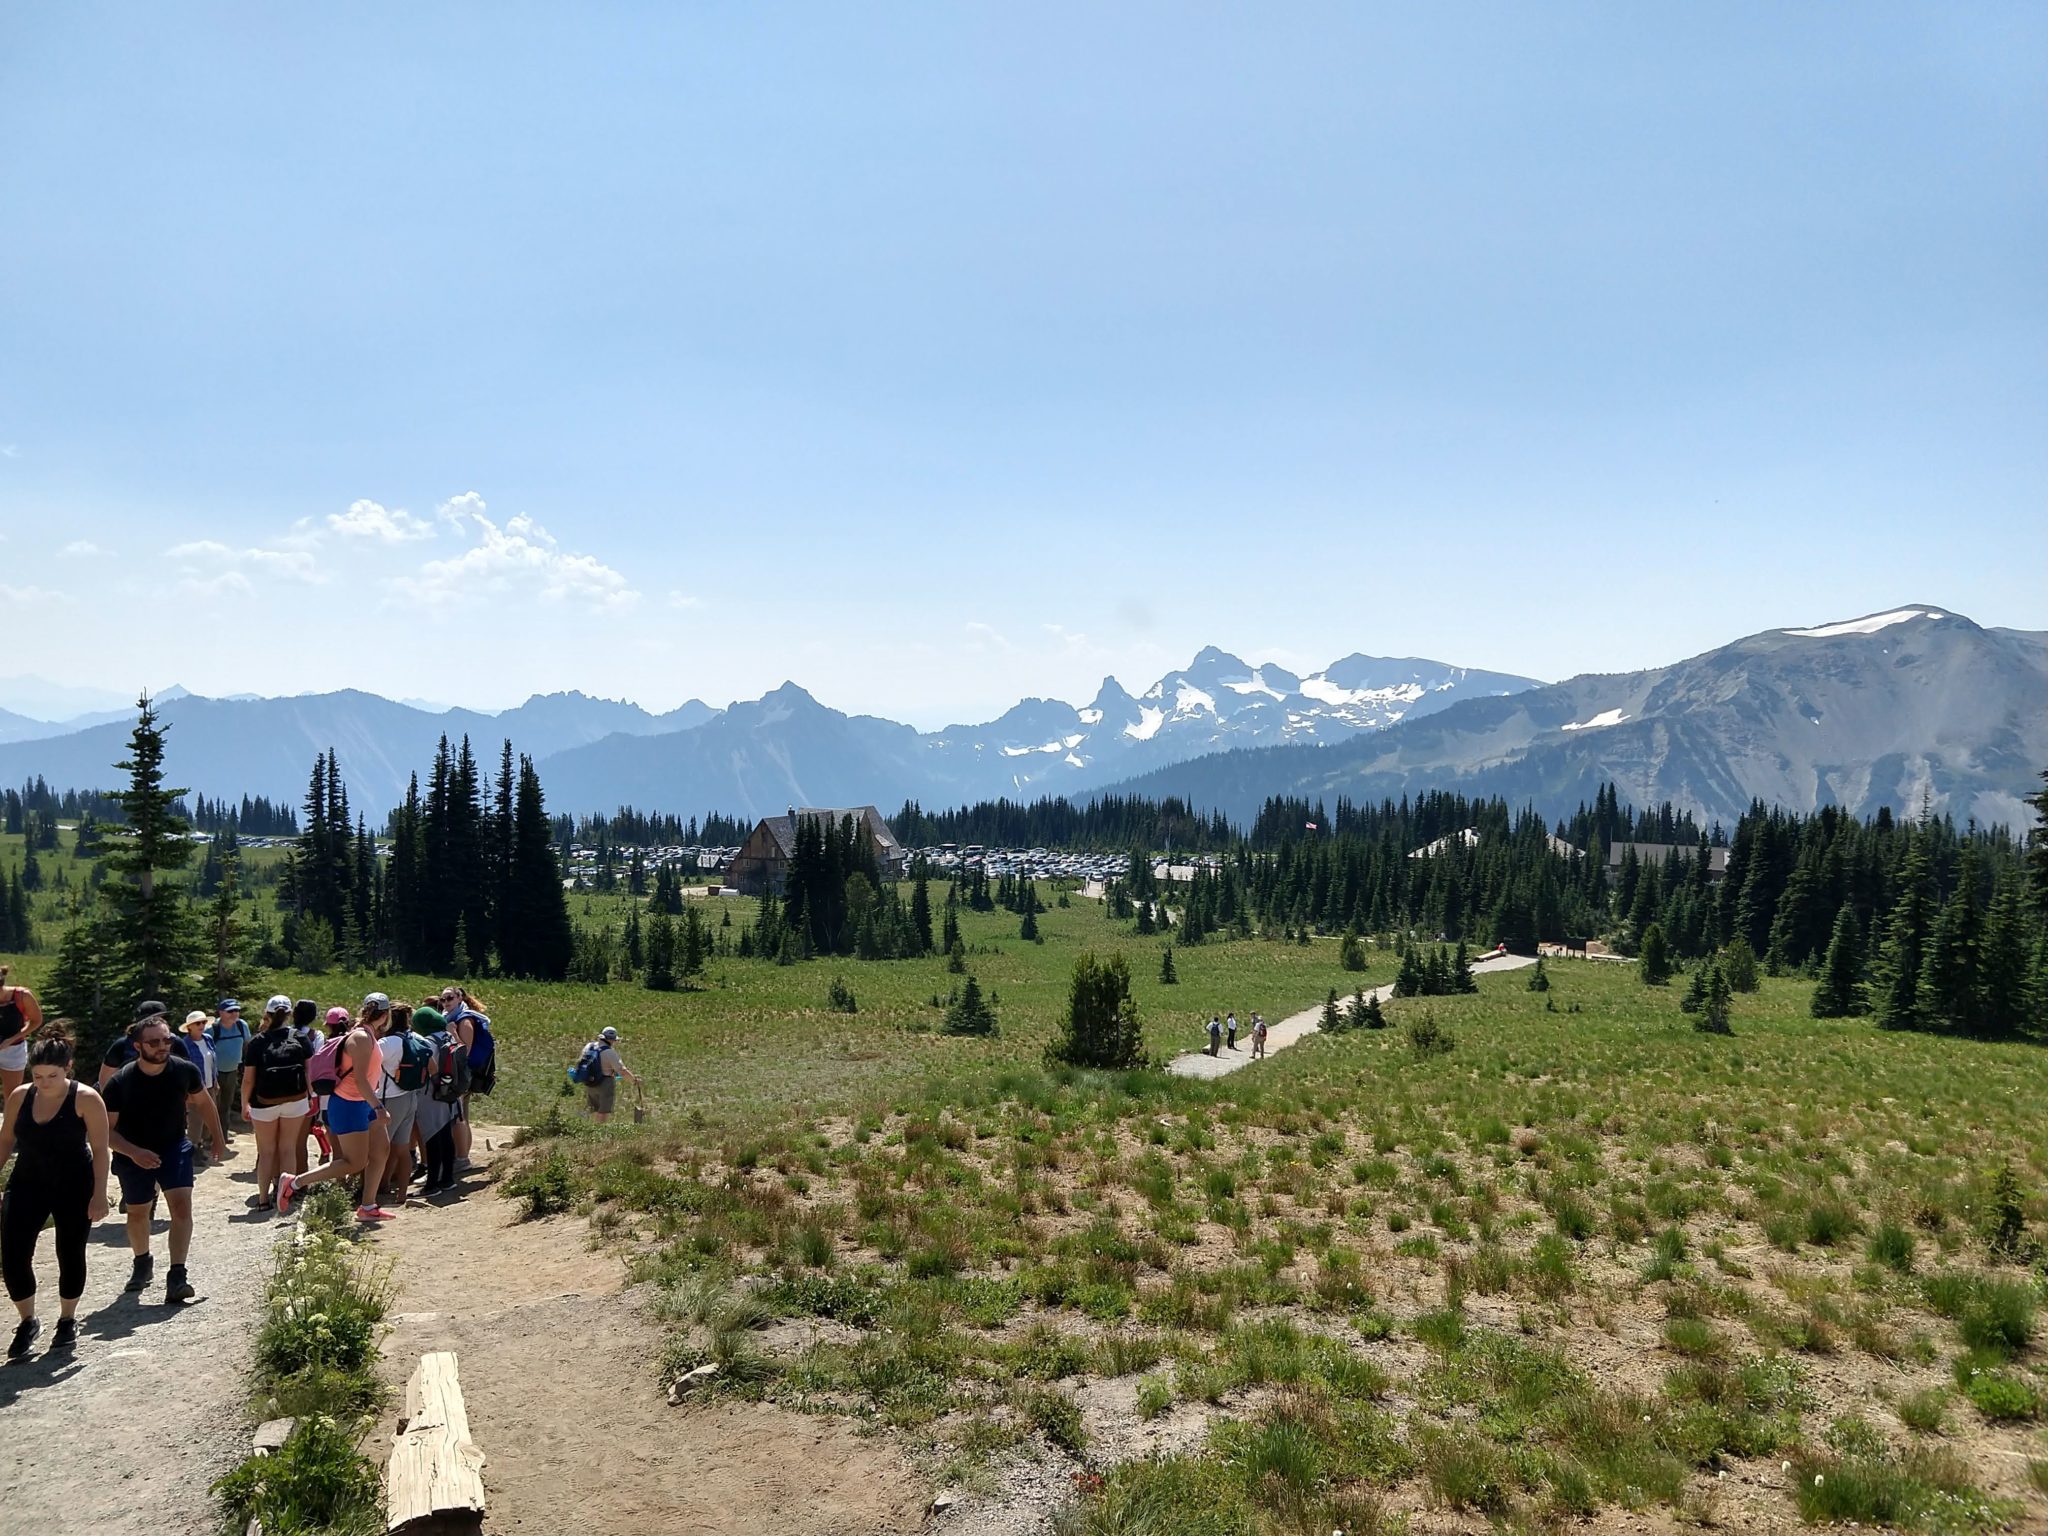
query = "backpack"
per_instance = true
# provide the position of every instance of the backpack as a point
(589, 1068)
(280, 1061)
(483, 1054)
(323, 1072)
(415, 1063)
(448, 1080)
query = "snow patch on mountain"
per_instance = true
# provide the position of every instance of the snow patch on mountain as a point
(1148, 723)
(1256, 683)
(1189, 698)
(1606, 717)
(1089, 716)
(1866, 626)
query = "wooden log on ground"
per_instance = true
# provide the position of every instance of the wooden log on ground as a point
(434, 1484)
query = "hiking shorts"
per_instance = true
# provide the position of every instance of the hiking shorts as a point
(349, 1117)
(14, 1058)
(290, 1109)
(602, 1095)
(139, 1185)
(403, 1108)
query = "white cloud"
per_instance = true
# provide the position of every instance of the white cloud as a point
(684, 600)
(203, 563)
(520, 556)
(78, 549)
(28, 595)
(365, 519)
(986, 637)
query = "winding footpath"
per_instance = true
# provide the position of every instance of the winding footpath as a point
(1308, 1022)
(127, 1431)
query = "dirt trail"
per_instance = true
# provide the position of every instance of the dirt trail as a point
(558, 1372)
(126, 1432)
(1308, 1022)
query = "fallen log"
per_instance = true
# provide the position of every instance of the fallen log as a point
(434, 1484)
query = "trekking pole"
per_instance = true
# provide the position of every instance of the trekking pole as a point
(639, 1102)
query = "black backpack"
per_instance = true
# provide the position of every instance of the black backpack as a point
(279, 1057)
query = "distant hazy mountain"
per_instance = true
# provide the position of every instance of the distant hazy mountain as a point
(1861, 713)
(229, 747)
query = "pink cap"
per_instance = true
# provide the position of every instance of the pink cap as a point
(338, 1016)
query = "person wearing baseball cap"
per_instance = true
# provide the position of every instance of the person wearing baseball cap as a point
(229, 1037)
(601, 1094)
(123, 1049)
(274, 1096)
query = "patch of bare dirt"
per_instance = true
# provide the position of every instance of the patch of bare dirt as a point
(558, 1368)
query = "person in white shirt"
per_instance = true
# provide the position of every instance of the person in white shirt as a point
(200, 1049)
(603, 1095)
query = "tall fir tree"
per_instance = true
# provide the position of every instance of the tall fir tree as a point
(1904, 952)
(1949, 997)
(156, 940)
(1840, 993)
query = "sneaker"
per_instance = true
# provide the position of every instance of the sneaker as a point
(176, 1287)
(66, 1334)
(24, 1335)
(373, 1213)
(287, 1186)
(138, 1278)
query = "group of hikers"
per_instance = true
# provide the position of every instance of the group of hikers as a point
(1223, 1035)
(382, 1091)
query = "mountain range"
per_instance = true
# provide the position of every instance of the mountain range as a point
(1867, 712)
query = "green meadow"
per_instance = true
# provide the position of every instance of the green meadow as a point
(1518, 1258)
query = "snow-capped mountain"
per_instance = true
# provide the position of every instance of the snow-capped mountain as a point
(1882, 710)
(1217, 702)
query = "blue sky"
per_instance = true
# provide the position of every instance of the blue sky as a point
(937, 356)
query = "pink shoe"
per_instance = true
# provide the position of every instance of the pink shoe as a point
(287, 1186)
(373, 1213)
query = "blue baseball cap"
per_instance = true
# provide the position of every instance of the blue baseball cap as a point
(229, 1005)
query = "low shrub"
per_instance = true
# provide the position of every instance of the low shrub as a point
(318, 1481)
(546, 1186)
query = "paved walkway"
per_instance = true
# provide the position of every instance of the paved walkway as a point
(1283, 1034)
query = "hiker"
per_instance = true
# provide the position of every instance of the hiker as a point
(122, 1050)
(1215, 1035)
(1231, 1027)
(402, 1062)
(350, 1055)
(472, 1026)
(274, 1096)
(60, 1128)
(434, 1115)
(1258, 1036)
(20, 1014)
(200, 1053)
(306, 1020)
(601, 1092)
(229, 1037)
(146, 1104)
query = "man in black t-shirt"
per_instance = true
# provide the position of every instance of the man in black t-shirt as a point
(147, 1102)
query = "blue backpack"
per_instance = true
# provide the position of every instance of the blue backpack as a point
(589, 1066)
(483, 1052)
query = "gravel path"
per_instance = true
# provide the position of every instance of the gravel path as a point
(1281, 1035)
(126, 1432)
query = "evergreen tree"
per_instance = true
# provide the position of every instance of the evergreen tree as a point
(1903, 954)
(1168, 977)
(1146, 926)
(1028, 929)
(1654, 967)
(694, 946)
(1374, 1018)
(1738, 965)
(1100, 1028)
(1712, 1018)
(1351, 955)
(156, 944)
(1333, 1021)
(1461, 978)
(1949, 993)
(227, 945)
(1840, 992)
(1696, 992)
(921, 910)
(14, 917)
(535, 936)
(970, 1013)
(660, 972)
(2003, 971)
(86, 985)
(1539, 979)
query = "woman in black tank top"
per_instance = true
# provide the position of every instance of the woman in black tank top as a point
(59, 1129)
